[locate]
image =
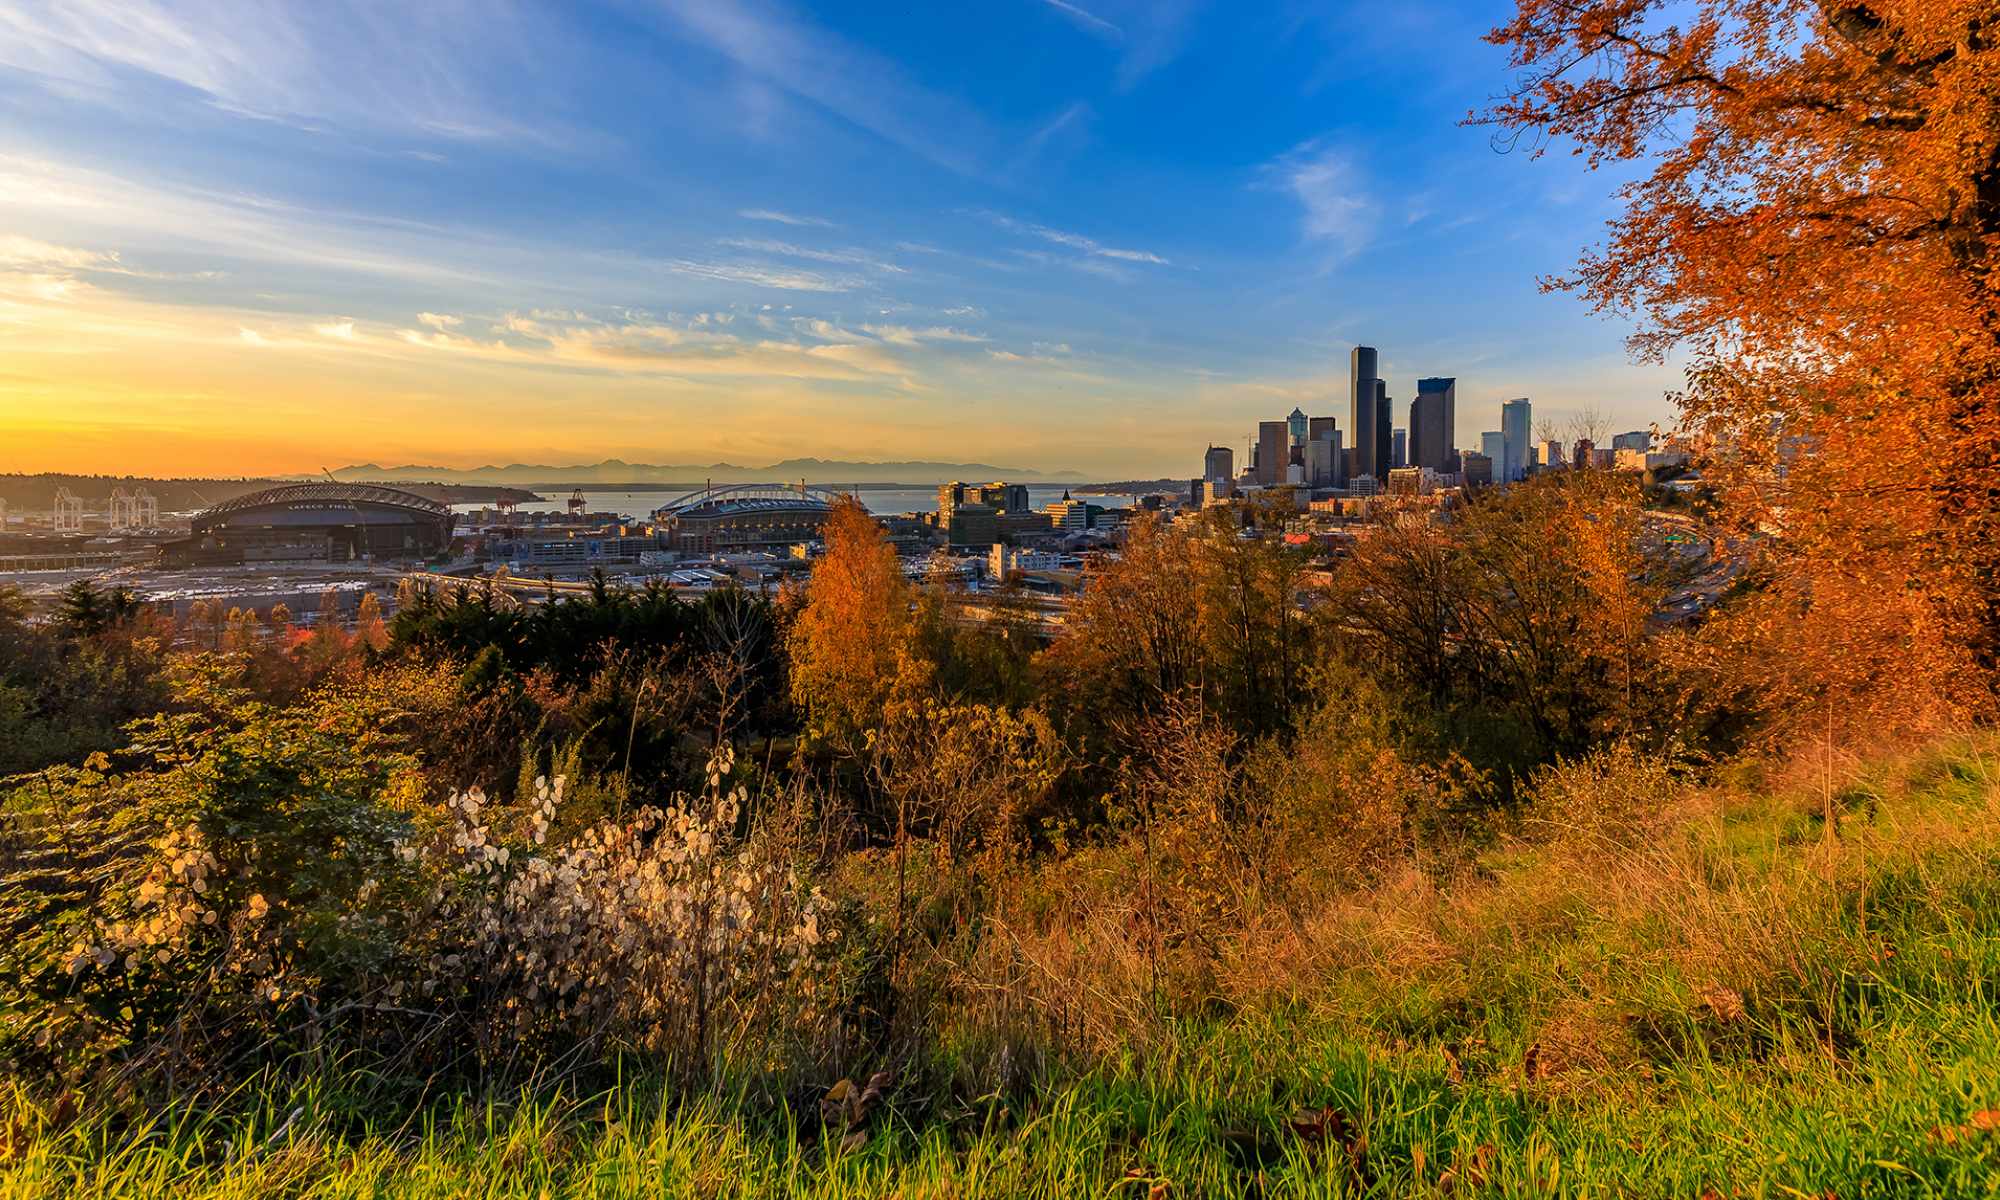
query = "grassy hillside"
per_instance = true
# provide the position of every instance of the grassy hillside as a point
(1714, 999)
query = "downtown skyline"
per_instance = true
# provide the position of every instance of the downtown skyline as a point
(1091, 238)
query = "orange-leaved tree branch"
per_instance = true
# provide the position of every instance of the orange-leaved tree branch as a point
(1813, 225)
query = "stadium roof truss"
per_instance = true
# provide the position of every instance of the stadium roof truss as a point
(750, 498)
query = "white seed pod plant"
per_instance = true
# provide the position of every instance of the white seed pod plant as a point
(665, 929)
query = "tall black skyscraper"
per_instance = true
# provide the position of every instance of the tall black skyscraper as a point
(1434, 424)
(1273, 444)
(1368, 423)
(1385, 424)
(1218, 463)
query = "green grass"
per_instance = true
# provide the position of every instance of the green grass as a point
(1867, 1041)
(1209, 1126)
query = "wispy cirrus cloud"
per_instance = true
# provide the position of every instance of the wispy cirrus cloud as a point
(786, 51)
(1085, 18)
(847, 257)
(1156, 40)
(904, 335)
(825, 330)
(1071, 125)
(157, 216)
(1089, 266)
(39, 272)
(1336, 205)
(1075, 241)
(763, 275)
(1050, 359)
(692, 348)
(269, 232)
(784, 218)
(1149, 34)
(454, 68)
(17, 251)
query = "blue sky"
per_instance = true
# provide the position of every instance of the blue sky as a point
(1089, 235)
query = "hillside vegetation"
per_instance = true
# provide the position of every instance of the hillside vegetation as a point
(1452, 868)
(1241, 886)
(1641, 989)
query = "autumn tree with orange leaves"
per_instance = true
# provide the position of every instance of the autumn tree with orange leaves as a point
(848, 642)
(1816, 227)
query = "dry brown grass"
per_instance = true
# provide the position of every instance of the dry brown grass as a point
(1625, 908)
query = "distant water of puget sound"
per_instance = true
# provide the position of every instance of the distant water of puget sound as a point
(881, 500)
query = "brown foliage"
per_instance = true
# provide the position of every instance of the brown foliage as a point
(1535, 602)
(1134, 636)
(1401, 590)
(970, 776)
(1188, 610)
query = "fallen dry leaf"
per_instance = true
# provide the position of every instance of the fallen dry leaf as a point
(1452, 1070)
(1725, 1003)
(833, 1105)
(1328, 1125)
(848, 1105)
(1472, 1172)
(1318, 1125)
(1986, 1120)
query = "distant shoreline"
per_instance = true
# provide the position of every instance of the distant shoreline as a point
(839, 485)
(36, 492)
(1130, 487)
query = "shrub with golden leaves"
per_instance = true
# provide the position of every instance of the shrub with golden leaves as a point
(1615, 796)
